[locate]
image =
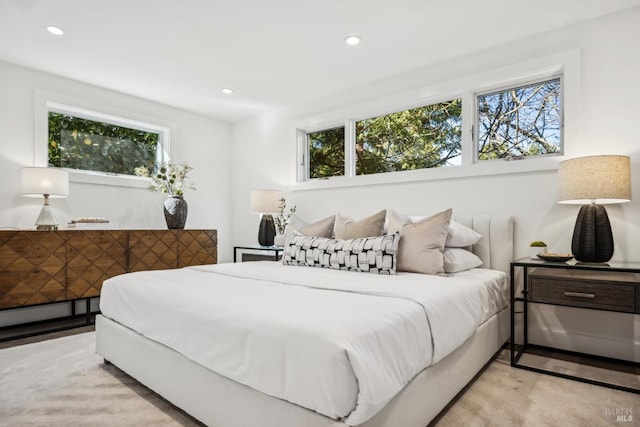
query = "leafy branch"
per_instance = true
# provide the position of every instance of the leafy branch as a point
(171, 178)
(281, 220)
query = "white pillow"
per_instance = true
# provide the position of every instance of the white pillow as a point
(461, 236)
(458, 259)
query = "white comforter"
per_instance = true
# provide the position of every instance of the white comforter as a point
(340, 343)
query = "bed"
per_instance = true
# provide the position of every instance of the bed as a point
(356, 376)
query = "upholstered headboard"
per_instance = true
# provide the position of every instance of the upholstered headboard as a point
(495, 248)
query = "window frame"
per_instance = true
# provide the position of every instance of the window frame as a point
(418, 104)
(307, 164)
(476, 127)
(98, 111)
(564, 64)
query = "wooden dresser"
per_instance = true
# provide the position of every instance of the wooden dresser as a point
(43, 267)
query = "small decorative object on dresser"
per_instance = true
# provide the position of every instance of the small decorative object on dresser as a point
(537, 247)
(172, 180)
(281, 220)
(91, 223)
(175, 212)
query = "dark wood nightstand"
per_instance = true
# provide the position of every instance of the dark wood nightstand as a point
(272, 253)
(609, 287)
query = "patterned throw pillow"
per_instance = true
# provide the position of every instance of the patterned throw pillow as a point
(368, 254)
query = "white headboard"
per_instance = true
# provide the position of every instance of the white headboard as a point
(495, 248)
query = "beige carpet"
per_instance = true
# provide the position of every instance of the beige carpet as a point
(61, 382)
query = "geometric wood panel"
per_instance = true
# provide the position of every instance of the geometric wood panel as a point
(92, 257)
(32, 267)
(197, 247)
(153, 250)
(38, 267)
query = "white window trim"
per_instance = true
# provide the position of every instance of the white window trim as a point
(475, 131)
(49, 101)
(565, 64)
(302, 145)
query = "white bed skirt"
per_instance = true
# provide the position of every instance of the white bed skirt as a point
(219, 402)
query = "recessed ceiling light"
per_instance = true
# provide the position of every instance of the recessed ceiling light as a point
(352, 40)
(226, 90)
(55, 30)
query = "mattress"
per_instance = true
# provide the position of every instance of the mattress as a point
(342, 344)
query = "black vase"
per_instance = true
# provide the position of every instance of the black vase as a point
(592, 239)
(175, 212)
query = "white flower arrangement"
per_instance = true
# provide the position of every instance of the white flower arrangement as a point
(282, 219)
(171, 179)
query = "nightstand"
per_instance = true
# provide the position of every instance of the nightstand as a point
(609, 287)
(273, 253)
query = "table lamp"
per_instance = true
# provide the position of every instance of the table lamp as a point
(594, 181)
(47, 183)
(266, 202)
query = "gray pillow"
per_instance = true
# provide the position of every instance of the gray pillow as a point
(348, 228)
(322, 228)
(369, 254)
(422, 242)
(460, 236)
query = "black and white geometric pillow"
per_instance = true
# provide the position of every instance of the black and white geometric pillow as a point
(367, 254)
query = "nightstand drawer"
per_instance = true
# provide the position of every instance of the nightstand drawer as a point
(582, 292)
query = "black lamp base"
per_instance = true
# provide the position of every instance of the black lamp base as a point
(267, 230)
(592, 239)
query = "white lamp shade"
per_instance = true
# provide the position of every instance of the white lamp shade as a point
(595, 179)
(37, 182)
(265, 201)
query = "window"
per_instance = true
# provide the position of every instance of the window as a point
(94, 142)
(520, 122)
(449, 129)
(424, 137)
(326, 153)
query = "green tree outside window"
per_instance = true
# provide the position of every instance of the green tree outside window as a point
(78, 143)
(424, 137)
(326, 153)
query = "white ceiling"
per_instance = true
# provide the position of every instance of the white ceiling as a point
(273, 53)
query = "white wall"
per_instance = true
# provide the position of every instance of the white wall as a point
(264, 149)
(605, 123)
(202, 141)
